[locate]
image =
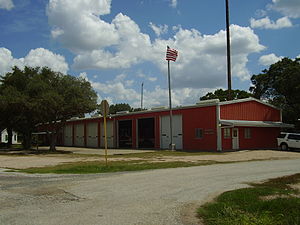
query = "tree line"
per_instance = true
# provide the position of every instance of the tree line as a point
(40, 96)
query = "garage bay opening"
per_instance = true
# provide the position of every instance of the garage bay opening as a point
(146, 137)
(125, 134)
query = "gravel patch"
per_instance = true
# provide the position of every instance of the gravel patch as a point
(23, 162)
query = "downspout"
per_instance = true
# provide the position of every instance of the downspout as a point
(219, 131)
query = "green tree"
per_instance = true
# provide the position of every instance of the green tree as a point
(222, 95)
(46, 98)
(280, 85)
(64, 97)
(113, 109)
(18, 103)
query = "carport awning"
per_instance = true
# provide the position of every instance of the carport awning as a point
(247, 123)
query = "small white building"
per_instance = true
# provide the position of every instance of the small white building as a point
(4, 137)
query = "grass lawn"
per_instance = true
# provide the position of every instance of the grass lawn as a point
(162, 153)
(115, 166)
(271, 203)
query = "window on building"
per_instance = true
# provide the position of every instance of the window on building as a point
(6, 137)
(227, 133)
(247, 133)
(15, 137)
(199, 133)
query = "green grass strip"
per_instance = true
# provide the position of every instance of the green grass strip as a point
(273, 203)
(119, 166)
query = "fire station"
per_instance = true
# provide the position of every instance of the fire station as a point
(206, 126)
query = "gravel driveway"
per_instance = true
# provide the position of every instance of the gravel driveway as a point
(133, 198)
(21, 162)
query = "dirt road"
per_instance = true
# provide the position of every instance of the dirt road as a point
(133, 198)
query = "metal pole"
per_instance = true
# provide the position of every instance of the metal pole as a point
(228, 51)
(142, 93)
(170, 107)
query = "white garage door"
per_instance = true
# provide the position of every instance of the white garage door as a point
(92, 135)
(165, 131)
(79, 135)
(110, 134)
(68, 135)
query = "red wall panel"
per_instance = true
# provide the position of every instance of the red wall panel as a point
(252, 110)
(204, 118)
(261, 137)
(226, 142)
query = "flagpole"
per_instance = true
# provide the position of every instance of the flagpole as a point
(170, 107)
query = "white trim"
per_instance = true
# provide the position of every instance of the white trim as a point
(246, 123)
(219, 131)
(137, 133)
(160, 136)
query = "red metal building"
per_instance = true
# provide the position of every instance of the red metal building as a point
(209, 126)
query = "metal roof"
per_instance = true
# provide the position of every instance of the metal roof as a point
(247, 123)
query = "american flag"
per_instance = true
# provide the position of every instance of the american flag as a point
(171, 54)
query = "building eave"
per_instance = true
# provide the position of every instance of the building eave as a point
(246, 123)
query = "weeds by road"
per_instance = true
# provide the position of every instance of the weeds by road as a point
(115, 166)
(273, 202)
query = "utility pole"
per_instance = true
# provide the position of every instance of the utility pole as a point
(228, 51)
(142, 93)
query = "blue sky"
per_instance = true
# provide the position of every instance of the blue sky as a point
(117, 44)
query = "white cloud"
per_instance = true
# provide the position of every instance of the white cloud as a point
(117, 91)
(152, 79)
(159, 29)
(266, 23)
(202, 58)
(261, 13)
(267, 60)
(140, 74)
(76, 24)
(36, 57)
(43, 57)
(6, 4)
(121, 44)
(84, 76)
(7, 61)
(133, 47)
(173, 3)
(290, 8)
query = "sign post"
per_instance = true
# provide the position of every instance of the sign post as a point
(104, 112)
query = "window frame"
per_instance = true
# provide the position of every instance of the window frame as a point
(199, 133)
(227, 133)
(247, 133)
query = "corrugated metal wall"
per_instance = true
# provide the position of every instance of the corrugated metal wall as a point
(252, 110)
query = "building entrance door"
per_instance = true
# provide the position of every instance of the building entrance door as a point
(235, 138)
